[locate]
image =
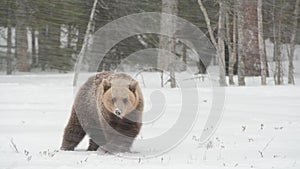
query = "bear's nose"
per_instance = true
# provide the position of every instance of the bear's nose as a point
(118, 111)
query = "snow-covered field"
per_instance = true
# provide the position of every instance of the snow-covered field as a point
(260, 127)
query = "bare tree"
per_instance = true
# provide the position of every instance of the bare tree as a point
(210, 31)
(262, 48)
(23, 64)
(221, 46)
(207, 20)
(166, 58)
(277, 17)
(85, 44)
(9, 58)
(232, 59)
(184, 51)
(251, 49)
(33, 48)
(241, 54)
(228, 31)
(292, 45)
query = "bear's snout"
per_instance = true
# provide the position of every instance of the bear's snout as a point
(118, 111)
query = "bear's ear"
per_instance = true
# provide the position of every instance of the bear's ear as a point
(133, 85)
(106, 84)
(97, 81)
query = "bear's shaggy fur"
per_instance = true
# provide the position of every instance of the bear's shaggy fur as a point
(108, 107)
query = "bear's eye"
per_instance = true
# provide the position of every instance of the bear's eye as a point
(113, 100)
(125, 100)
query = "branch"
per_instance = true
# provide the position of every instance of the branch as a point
(207, 20)
(268, 144)
(13, 145)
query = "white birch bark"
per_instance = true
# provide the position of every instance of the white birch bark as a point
(165, 60)
(207, 20)
(221, 46)
(292, 45)
(241, 65)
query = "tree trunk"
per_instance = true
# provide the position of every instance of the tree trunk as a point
(33, 50)
(228, 33)
(232, 59)
(292, 45)
(262, 48)
(23, 64)
(55, 59)
(166, 58)
(277, 16)
(172, 65)
(221, 46)
(43, 47)
(241, 54)
(9, 58)
(207, 20)
(211, 35)
(252, 58)
(184, 50)
(85, 43)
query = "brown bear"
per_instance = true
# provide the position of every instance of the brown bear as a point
(108, 108)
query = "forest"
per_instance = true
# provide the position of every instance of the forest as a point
(47, 35)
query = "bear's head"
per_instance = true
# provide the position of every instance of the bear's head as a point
(120, 96)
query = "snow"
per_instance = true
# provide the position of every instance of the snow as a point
(259, 128)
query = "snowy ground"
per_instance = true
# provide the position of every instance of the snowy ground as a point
(259, 129)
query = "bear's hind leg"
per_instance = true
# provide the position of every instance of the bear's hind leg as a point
(73, 133)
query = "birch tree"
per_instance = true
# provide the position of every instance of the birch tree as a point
(209, 27)
(9, 58)
(277, 17)
(166, 59)
(221, 46)
(85, 44)
(232, 59)
(292, 44)
(241, 66)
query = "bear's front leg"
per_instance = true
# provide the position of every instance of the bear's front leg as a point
(97, 138)
(92, 146)
(73, 133)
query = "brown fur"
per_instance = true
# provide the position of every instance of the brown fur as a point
(93, 113)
